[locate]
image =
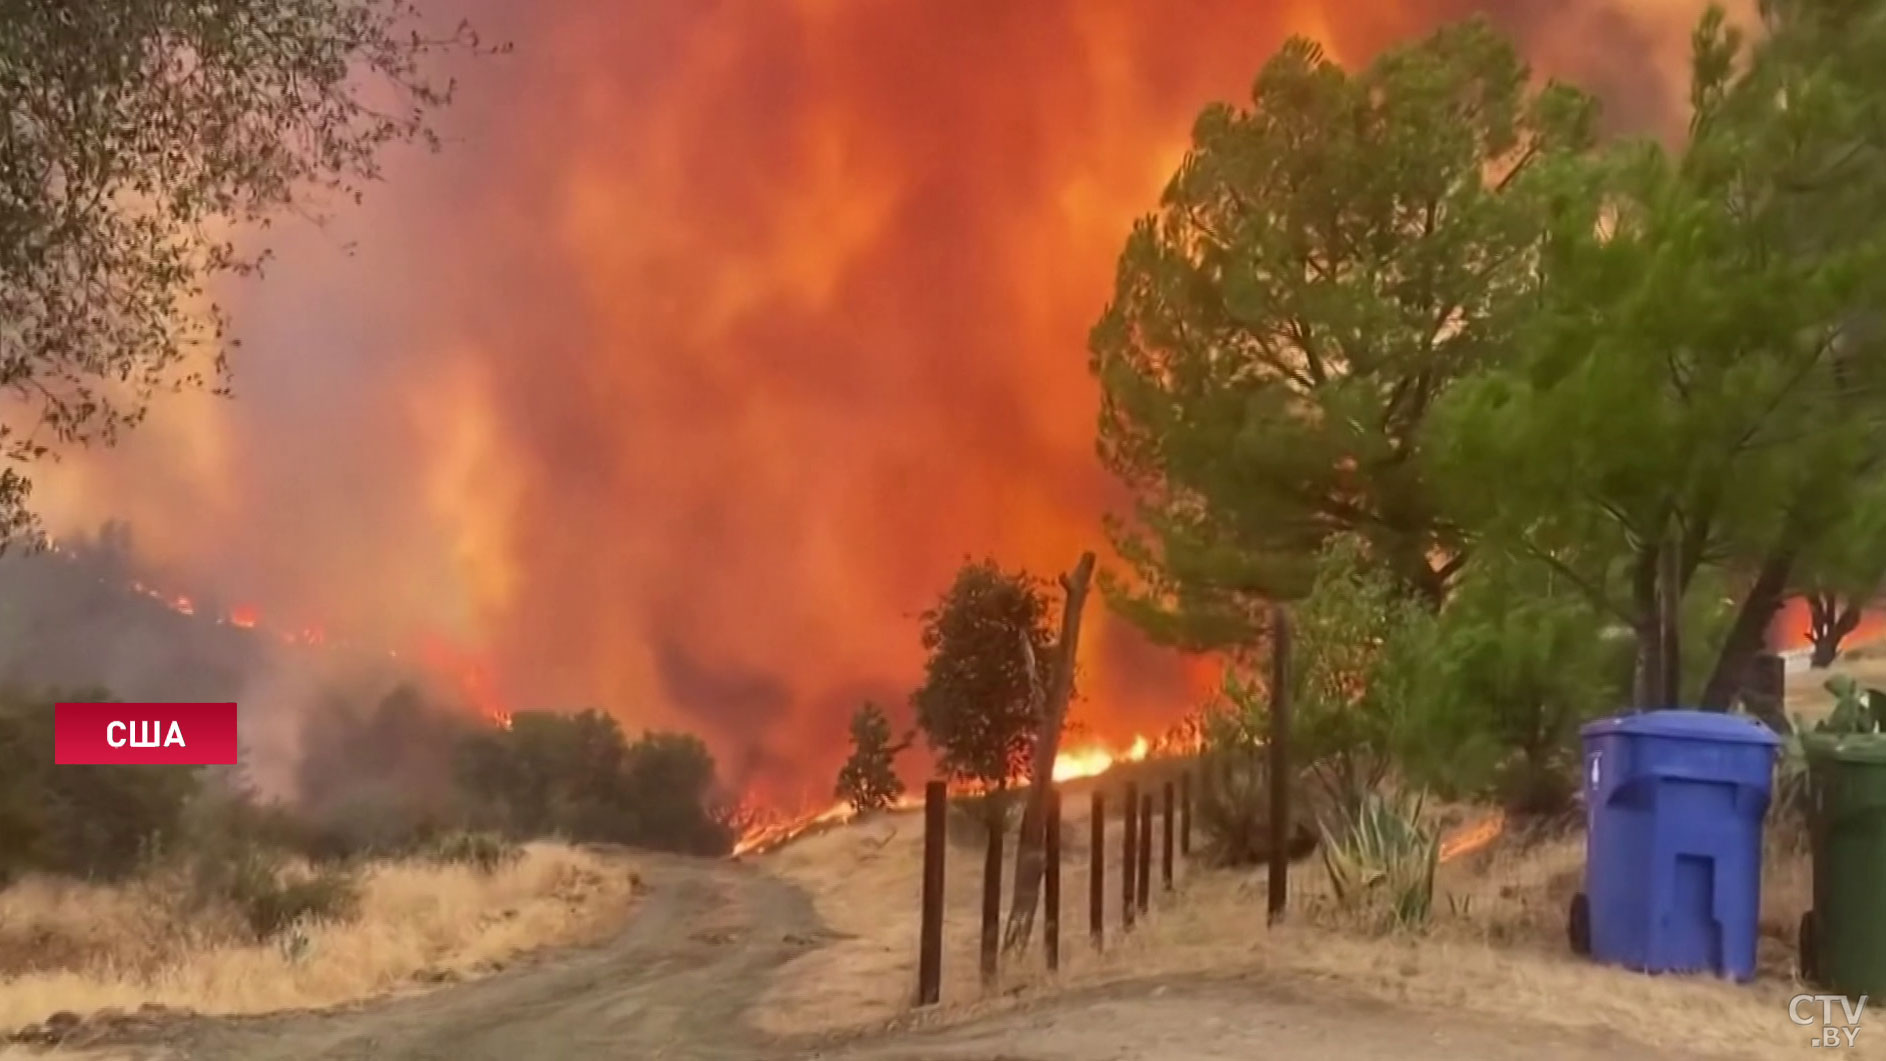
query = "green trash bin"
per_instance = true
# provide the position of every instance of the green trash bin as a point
(1843, 938)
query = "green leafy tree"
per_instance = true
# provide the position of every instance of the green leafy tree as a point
(990, 649)
(1517, 662)
(84, 821)
(670, 787)
(143, 138)
(1697, 387)
(868, 780)
(577, 775)
(1320, 267)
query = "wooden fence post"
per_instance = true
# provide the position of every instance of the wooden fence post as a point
(930, 938)
(992, 897)
(1129, 854)
(1051, 886)
(1185, 814)
(1097, 872)
(1279, 762)
(1165, 844)
(1145, 852)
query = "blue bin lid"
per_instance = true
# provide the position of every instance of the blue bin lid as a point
(1716, 726)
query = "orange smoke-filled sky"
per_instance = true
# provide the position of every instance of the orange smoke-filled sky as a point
(721, 332)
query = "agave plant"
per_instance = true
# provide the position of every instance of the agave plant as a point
(1856, 710)
(1383, 855)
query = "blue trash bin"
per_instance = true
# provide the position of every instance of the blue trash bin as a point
(1674, 802)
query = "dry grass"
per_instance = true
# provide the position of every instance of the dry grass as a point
(78, 947)
(10, 1052)
(1496, 947)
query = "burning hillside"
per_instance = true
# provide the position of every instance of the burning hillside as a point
(719, 335)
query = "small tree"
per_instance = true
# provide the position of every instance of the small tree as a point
(990, 648)
(868, 780)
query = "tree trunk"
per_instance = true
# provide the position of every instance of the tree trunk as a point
(1748, 633)
(1831, 619)
(1669, 627)
(1031, 838)
(1647, 678)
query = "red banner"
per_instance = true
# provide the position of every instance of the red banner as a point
(144, 734)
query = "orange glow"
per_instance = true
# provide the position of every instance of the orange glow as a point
(718, 337)
(774, 830)
(1473, 838)
(467, 675)
(1792, 629)
(243, 616)
(183, 606)
(1092, 759)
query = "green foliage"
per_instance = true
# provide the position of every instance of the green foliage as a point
(1518, 661)
(989, 652)
(237, 855)
(1703, 369)
(1359, 644)
(1483, 699)
(1321, 266)
(1381, 859)
(868, 780)
(571, 775)
(550, 772)
(1857, 711)
(270, 896)
(669, 787)
(577, 776)
(140, 132)
(88, 821)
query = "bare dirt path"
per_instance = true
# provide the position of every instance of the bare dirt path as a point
(673, 985)
(1232, 1020)
(703, 946)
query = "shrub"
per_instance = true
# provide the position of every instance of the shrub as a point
(1360, 647)
(1232, 805)
(1856, 710)
(485, 852)
(273, 906)
(1381, 860)
(1510, 668)
(267, 894)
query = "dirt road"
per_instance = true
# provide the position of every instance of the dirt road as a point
(675, 985)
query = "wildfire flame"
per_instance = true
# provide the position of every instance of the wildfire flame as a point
(1091, 760)
(1473, 838)
(776, 830)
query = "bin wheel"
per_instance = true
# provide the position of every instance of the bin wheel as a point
(1578, 925)
(1809, 944)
